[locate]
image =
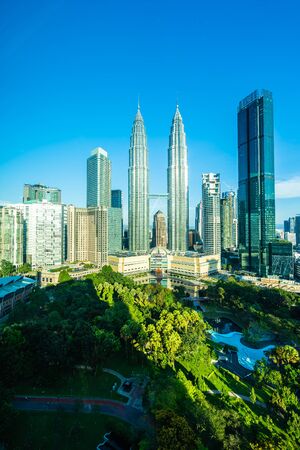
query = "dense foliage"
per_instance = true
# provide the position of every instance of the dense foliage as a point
(268, 311)
(85, 322)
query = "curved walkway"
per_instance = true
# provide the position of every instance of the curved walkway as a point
(133, 416)
(233, 394)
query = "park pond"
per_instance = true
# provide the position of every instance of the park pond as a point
(247, 356)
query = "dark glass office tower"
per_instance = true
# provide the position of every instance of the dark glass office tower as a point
(256, 196)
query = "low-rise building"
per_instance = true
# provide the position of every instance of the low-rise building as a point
(129, 263)
(76, 273)
(189, 264)
(12, 290)
(193, 265)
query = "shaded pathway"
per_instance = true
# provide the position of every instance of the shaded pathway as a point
(114, 408)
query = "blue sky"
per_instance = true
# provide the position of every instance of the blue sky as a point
(71, 73)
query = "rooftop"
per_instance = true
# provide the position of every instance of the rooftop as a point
(10, 285)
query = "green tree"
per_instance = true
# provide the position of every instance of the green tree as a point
(24, 268)
(64, 276)
(7, 268)
(253, 396)
(174, 432)
(284, 355)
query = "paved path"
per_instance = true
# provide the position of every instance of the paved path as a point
(116, 374)
(135, 395)
(114, 408)
(233, 394)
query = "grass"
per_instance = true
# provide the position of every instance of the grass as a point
(81, 383)
(225, 381)
(132, 364)
(61, 430)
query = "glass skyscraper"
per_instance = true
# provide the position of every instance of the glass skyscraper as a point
(256, 195)
(178, 195)
(98, 179)
(116, 198)
(138, 188)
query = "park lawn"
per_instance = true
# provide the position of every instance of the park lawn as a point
(131, 364)
(61, 430)
(81, 383)
(225, 381)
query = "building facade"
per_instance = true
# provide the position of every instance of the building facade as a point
(198, 222)
(116, 198)
(228, 221)
(98, 179)
(297, 229)
(159, 232)
(13, 290)
(281, 259)
(88, 235)
(211, 191)
(128, 263)
(115, 237)
(138, 188)
(11, 235)
(44, 233)
(178, 195)
(256, 195)
(289, 225)
(39, 193)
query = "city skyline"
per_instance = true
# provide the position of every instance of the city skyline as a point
(51, 119)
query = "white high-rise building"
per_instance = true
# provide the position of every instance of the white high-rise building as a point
(138, 188)
(43, 233)
(198, 221)
(98, 179)
(11, 235)
(178, 196)
(211, 213)
(228, 221)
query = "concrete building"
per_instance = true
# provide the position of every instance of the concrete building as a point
(186, 264)
(297, 269)
(98, 179)
(291, 237)
(13, 290)
(256, 181)
(211, 192)
(198, 222)
(193, 265)
(88, 235)
(281, 259)
(297, 229)
(138, 188)
(76, 273)
(11, 235)
(114, 230)
(44, 234)
(178, 194)
(159, 232)
(37, 193)
(228, 221)
(128, 263)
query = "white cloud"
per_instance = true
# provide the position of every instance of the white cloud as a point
(288, 188)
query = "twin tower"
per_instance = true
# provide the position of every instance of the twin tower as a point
(138, 187)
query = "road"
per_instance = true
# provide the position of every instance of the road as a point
(114, 408)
